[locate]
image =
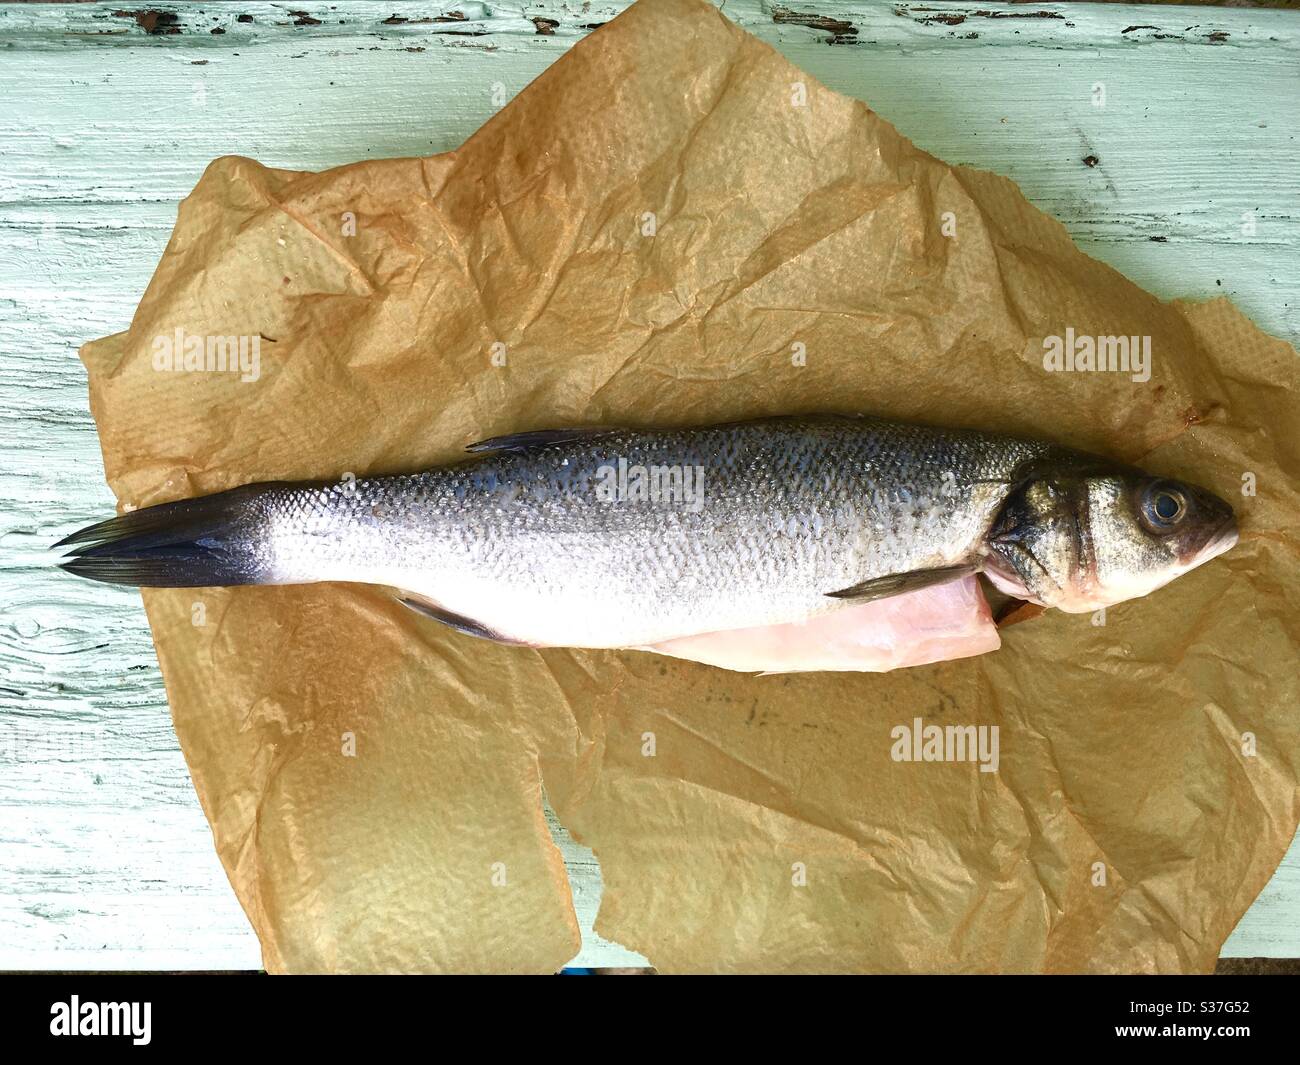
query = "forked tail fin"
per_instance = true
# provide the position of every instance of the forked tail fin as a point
(192, 543)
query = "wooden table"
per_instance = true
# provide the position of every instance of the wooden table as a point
(1185, 180)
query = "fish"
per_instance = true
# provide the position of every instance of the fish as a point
(781, 544)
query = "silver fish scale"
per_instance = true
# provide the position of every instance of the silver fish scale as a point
(784, 511)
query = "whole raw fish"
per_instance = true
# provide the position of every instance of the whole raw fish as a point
(756, 545)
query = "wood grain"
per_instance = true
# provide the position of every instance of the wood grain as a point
(1184, 180)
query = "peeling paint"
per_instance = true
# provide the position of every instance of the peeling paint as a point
(930, 15)
(841, 32)
(1018, 14)
(153, 22)
(945, 20)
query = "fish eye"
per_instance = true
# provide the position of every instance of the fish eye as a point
(1163, 507)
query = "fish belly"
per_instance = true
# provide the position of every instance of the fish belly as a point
(933, 624)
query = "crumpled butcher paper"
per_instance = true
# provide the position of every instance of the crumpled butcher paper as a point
(674, 225)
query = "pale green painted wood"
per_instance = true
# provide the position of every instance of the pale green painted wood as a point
(105, 860)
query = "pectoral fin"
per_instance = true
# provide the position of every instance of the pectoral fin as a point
(898, 583)
(459, 622)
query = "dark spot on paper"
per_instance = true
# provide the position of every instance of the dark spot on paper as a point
(545, 26)
(301, 18)
(1158, 392)
(1090, 160)
(244, 18)
(1217, 37)
(590, 25)
(216, 30)
(1130, 29)
(285, 280)
(946, 20)
(198, 62)
(155, 22)
(841, 32)
(1159, 240)
(392, 20)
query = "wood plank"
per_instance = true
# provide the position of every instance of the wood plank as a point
(105, 859)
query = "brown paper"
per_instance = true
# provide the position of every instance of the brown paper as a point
(649, 229)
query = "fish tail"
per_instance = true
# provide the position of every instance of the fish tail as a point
(192, 543)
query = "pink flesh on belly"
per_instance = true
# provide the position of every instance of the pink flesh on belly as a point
(949, 620)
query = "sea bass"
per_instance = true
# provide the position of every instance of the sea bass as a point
(801, 542)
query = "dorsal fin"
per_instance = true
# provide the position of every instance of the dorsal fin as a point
(536, 438)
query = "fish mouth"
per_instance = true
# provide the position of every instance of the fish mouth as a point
(1225, 538)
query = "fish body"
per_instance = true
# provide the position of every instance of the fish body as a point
(554, 542)
(633, 537)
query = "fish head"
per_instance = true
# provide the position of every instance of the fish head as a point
(1086, 540)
